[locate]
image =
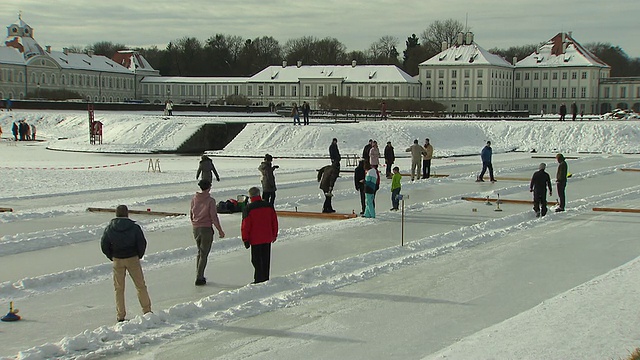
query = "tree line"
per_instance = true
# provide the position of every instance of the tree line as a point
(232, 55)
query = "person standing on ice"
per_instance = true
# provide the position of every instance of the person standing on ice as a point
(561, 181)
(417, 152)
(374, 154)
(563, 111)
(123, 243)
(334, 153)
(486, 155)
(574, 111)
(358, 178)
(306, 109)
(204, 217)
(14, 131)
(207, 169)
(389, 158)
(327, 176)
(295, 112)
(371, 185)
(540, 181)
(426, 159)
(366, 150)
(259, 229)
(395, 188)
(268, 179)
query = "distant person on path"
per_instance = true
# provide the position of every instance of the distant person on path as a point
(33, 132)
(327, 176)
(306, 109)
(123, 243)
(259, 229)
(371, 185)
(561, 181)
(374, 154)
(426, 159)
(27, 131)
(358, 178)
(540, 181)
(389, 158)
(383, 111)
(334, 153)
(574, 111)
(207, 169)
(204, 217)
(14, 131)
(563, 111)
(295, 112)
(7, 104)
(395, 189)
(268, 179)
(168, 108)
(366, 150)
(417, 152)
(21, 129)
(486, 155)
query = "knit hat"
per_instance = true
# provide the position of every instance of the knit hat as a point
(542, 166)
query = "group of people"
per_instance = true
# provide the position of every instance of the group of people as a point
(574, 111)
(541, 181)
(22, 131)
(295, 112)
(123, 241)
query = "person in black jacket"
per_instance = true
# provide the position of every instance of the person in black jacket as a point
(366, 150)
(540, 181)
(389, 158)
(327, 176)
(123, 242)
(358, 179)
(334, 153)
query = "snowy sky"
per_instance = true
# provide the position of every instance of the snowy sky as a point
(495, 23)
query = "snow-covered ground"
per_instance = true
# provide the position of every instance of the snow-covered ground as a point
(469, 283)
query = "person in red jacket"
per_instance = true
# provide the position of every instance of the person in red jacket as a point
(259, 229)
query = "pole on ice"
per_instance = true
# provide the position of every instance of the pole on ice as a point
(401, 198)
(498, 204)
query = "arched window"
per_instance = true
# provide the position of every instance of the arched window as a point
(43, 79)
(63, 80)
(20, 77)
(53, 79)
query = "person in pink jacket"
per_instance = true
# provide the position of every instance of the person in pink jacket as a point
(204, 217)
(374, 154)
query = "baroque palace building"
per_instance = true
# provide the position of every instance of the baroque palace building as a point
(463, 76)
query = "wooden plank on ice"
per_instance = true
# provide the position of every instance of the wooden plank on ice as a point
(637, 211)
(141, 212)
(505, 201)
(308, 214)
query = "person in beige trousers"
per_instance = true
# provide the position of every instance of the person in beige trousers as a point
(417, 151)
(123, 242)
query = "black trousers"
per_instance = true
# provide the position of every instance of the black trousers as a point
(486, 165)
(362, 198)
(269, 196)
(426, 168)
(540, 201)
(326, 207)
(561, 196)
(389, 168)
(261, 261)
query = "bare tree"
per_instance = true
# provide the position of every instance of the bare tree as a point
(439, 32)
(384, 51)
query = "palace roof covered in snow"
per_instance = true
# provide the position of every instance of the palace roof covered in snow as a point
(561, 51)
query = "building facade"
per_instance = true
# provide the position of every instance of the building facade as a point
(464, 77)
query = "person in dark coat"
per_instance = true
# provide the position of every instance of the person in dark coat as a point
(268, 179)
(259, 229)
(327, 176)
(563, 111)
(358, 179)
(367, 150)
(206, 168)
(486, 155)
(540, 182)
(561, 181)
(123, 243)
(14, 131)
(334, 153)
(306, 109)
(389, 158)
(574, 111)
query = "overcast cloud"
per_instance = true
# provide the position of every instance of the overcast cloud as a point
(355, 23)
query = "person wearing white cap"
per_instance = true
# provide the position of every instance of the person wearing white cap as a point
(540, 181)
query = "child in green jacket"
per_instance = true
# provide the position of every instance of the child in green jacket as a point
(395, 188)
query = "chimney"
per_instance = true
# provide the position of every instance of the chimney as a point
(48, 47)
(469, 38)
(445, 45)
(564, 43)
(460, 40)
(515, 60)
(354, 63)
(90, 53)
(284, 63)
(299, 64)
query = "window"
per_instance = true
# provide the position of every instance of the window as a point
(535, 93)
(554, 93)
(574, 75)
(360, 91)
(294, 91)
(307, 90)
(454, 73)
(554, 76)
(427, 89)
(545, 76)
(526, 93)
(479, 73)
(607, 92)
(564, 92)
(440, 74)
(574, 92)
(517, 94)
(372, 91)
(584, 75)
(334, 89)
(441, 88)
(321, 90)
(428, 74)
(249, 90)
(467, 72)
(545, 93)
(526, 76)
(236, 90)
(583, 92)
(348, 90)
(260, 90)
(384, 92)
(536, 76)
(272, 90)
(517, 76)
(623, 92)
(564, 75)
(283, 91)
(396, 91)
(454, 89)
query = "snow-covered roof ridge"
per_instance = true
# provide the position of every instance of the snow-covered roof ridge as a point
(346, 73)
(561, 50)
(466, 55)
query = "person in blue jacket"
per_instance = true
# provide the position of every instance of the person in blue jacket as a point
(485, 155)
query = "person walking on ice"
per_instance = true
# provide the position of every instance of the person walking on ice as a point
(561, 181)
(417, 152)
(259, 229)
(540, 181)
(207, 169)
(486, 155)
